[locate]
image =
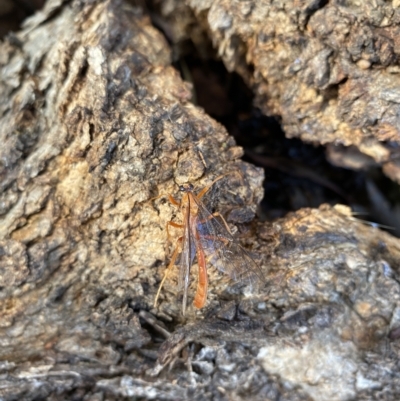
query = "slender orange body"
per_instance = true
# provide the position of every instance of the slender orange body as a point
(189, 209)
(207, 238)
(202, 283)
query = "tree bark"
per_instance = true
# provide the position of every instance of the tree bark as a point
(329, 69)
(95, 125)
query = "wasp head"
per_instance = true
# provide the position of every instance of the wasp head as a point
(186, 188)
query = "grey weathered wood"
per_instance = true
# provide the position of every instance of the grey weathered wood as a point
(94, 124)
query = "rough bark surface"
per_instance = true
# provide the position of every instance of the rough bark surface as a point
(94, 124)
(330, 69)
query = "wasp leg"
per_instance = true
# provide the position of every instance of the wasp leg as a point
(170, 266)
(173, 200)
(207, 188)
(172, 224)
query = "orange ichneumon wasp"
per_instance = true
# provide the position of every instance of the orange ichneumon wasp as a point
(206, 237)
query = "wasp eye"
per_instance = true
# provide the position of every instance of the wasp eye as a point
(182, 188)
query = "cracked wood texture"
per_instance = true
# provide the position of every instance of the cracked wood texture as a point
(95, 124)
(329, 69)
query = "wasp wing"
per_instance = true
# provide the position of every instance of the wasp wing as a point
(186, 259)
(223, 250)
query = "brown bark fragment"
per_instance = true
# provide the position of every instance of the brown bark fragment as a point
(328, 68)
(95, 124)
